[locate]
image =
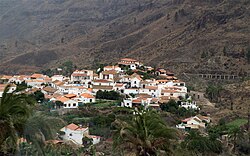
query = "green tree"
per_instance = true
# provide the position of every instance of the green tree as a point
(15, 109)
(109, 95)
(146, 133)
(213, 92)
(199, 144)
(17, 120)
(170, 106)
(235, 134)
(39, 128)
(39, 96)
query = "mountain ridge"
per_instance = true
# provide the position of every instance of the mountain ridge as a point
(172, 34)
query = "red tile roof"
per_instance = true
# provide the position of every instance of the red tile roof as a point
(70, 96)
(74, 127)
(87, 95)
(62, 99)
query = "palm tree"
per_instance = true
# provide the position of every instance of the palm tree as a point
(213, 92)
(17, 120)
(198, 144)
(235, 134)
(40, 128)
(15, 109)
(146, 133)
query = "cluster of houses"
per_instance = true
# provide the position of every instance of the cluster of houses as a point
(81, 88)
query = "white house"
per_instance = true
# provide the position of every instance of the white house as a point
(190, 105)
(135, 80)
(108, 74)
(119, 87)
(68, 103)
(35, 82)
(131, 91)
(150, 90)
(87, 98)
(57, 77)
(196, 122)
(135, 102)
(116, 68)
(131, 63)
(75, 133)
(82, 76)
(103, 82)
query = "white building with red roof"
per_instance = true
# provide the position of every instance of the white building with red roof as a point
(87, 98)
(75, 133)
(82, 76)
(131, 63)
(196, 122)
(108, 74)
(135, 80)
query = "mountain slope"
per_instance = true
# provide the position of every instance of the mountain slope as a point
(183, 35)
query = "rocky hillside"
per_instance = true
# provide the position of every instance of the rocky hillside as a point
(183, 35)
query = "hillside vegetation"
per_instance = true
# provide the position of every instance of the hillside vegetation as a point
(183, 35)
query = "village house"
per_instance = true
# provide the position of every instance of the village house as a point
(130, 63)
(35, 83)
(136, 102)
(103, 82)
(76, 89)
(82, 76)
(116, 68)
(196, 122)
(96, 88)
(108, 74)
(131, 91)
(161, 72)
(18, 79)
(67, 102)
(75, 133)
(56, 84)
(119, 87)
(135, 81)
(5, 79)
(58, 77)
(150, 90)
(48, 90)
(189, 105)
(87, 98)
(173, 91)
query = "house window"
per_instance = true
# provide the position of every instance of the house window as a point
(74, 104)
(90, 100)
(69, 105)
(65, 105)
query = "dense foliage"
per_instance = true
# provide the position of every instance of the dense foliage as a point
(173, 107)
(146, 133)
(109, 95)
(19, 120)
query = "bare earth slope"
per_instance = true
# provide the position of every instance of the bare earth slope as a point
(184, 35)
